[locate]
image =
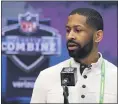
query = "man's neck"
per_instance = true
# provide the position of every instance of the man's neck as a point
(92, 58)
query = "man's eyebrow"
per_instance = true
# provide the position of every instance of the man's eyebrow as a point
(67, 26)
(74, 26)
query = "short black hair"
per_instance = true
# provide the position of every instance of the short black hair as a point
(94, 19)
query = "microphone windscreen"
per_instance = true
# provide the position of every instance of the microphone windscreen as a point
(69, 74)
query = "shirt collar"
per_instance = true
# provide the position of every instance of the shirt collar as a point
(96, 65)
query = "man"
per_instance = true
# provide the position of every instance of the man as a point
(97, 77)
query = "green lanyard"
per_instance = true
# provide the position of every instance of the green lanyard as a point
(102, 83)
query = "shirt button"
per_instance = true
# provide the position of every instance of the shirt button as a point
(85, 76)
(89, 66)
(82, 96)
(82, 66)
(83, 86)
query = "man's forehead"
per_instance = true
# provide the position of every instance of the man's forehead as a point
(76, 20)
(77, 17)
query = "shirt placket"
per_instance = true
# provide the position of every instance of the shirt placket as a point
(84, 86)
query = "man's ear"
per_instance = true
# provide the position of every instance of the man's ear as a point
(98, 36)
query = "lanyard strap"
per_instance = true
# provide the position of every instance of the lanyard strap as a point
(102, 83)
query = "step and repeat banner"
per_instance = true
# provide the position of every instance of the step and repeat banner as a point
(27, 44)
(33, 38)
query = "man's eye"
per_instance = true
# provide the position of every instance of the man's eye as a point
(77, 30)
(67, 30)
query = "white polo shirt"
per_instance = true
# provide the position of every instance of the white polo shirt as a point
(48, 89)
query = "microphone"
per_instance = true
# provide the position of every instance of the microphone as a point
(68, 78)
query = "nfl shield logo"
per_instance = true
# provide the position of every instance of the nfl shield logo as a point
(31, 51)
(28, 22)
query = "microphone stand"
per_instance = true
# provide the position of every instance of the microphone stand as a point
(65, 91)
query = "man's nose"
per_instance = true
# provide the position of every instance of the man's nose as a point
(71, 35)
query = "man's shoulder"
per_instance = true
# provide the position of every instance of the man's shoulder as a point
(56, 68)
(110, 67)
(111, 77)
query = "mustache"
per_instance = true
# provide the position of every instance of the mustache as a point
(72, 42)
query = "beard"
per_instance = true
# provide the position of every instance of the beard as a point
(80, 52)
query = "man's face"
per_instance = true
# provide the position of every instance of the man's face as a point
(79, 36)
